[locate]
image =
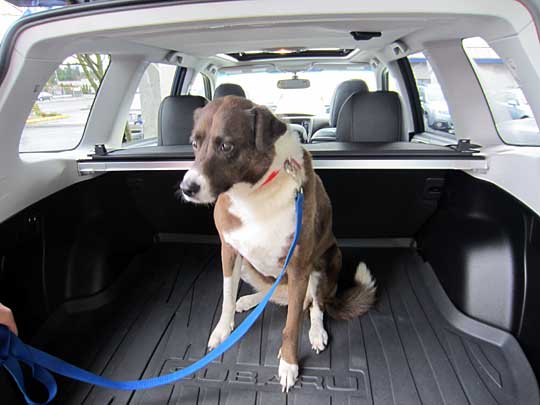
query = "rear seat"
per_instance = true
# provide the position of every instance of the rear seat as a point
(371, 117)
(229, 89)
(341, 94)
(176, 119)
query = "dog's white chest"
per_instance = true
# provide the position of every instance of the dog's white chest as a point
(264, 236)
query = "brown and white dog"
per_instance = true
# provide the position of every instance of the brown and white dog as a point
(242, 152)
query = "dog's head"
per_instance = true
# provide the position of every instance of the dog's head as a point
(233, 140)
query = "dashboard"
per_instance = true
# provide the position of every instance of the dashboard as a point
(310, 123)
(296, 125)
(304, 121)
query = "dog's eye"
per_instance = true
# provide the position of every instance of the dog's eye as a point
(226, 147)
(194, 144)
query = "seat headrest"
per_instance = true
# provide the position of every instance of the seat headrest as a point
(176, 119)
(229, 89)
(342, 92)
(371, 117)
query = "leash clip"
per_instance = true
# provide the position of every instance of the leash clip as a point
(292, 167)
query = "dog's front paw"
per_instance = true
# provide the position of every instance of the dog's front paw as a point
(288, 373)
(318, 337)
(218, 336)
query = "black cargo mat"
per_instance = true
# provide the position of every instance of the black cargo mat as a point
(413, 348)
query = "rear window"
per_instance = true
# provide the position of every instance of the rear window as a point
(198, 86)
(142, 122)
(511, 112)
(59, 115)
(437, 118)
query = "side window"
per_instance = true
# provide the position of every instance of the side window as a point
(142, 123)
(59, 115)
(390, 83)
(437, 119)
(393, 84)
(198, 86)
(511, 112)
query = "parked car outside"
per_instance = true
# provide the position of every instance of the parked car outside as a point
(516, 104)
(135, 122)
(44, 96)
(436, 112)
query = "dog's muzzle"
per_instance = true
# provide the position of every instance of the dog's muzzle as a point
(190, 189)
(195, 188)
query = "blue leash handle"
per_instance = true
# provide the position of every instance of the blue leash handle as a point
(13, 350)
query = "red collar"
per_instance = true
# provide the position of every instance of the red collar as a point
(289, 164)
(271, 177)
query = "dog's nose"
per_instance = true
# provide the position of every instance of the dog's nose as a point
(190, 188)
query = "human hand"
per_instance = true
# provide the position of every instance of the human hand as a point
(6, 318)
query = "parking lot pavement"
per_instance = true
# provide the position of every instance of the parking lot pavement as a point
(64, 133)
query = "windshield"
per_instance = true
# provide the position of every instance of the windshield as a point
(261, 88)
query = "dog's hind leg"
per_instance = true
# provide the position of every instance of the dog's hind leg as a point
(231, 263)
(247, 302)
(261, 284)
(318, 337)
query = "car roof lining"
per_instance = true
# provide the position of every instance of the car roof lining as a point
(206, 41)
(202, 42)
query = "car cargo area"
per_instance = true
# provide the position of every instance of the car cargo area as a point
(413, 348)
(122, 279)
(124, 123)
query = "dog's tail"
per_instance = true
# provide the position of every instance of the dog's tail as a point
(357, 300)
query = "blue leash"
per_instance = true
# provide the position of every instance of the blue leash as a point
(13, 350)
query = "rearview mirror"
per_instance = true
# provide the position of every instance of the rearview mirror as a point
(294, 83)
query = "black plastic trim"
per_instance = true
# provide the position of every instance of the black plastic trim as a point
(178, 81)
(365, 35)
(306, 53)
(412, 94)
(333, 150)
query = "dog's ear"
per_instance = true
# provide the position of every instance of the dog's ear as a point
(197, 114)
(266, 126)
